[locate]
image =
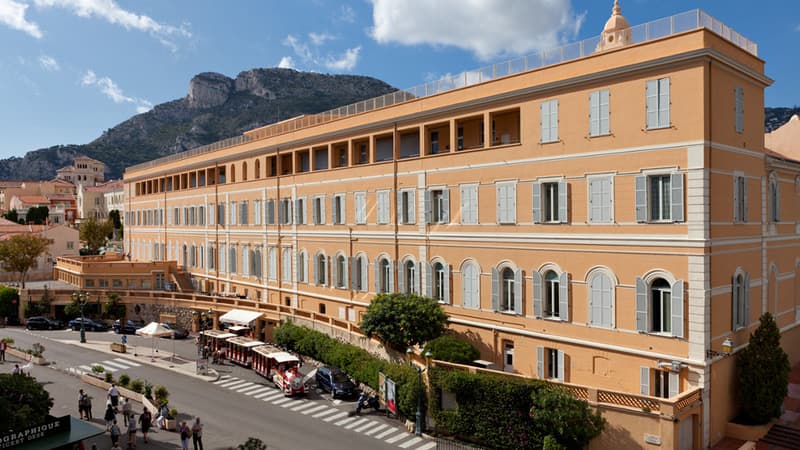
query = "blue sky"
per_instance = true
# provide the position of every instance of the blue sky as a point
(70, 69)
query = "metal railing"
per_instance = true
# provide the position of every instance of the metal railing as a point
(657, 29)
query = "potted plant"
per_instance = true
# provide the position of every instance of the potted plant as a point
(172, 420)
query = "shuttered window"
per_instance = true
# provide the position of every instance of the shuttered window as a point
(599, 113)
(470, 286)
(738, 94)
(657, 103)
(601, 198)
(549, 121)
(506, 203)
(469, 204)
(739, 199)
(361, 207)
(383, 207)
(659, 198)
(600, 301)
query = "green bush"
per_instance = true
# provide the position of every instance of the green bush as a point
(109, 377)
(355, 361)
(512, 413)
(137, 386)
(98, 369)
(450, 348)
(124, 380)
(161, 393)
(9, 299)
(8, 340)
(148, 389)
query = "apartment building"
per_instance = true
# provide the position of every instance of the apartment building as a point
(603, 215)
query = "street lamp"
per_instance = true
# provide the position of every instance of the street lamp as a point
(81, 297)
(418, 415)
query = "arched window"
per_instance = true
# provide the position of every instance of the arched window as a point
(257, 263)
(410, 277)
(272, 263)
(740, 299)
(508, 291)
(600, 300)
(321, 268)
(359, 273)
(286, 265)
(300, 267)
(232, 259)
(233, 174)
(245, 261)
(551, 289)
(439, 282)
(244, 171)
(257, 168)
(341, 272)
(470, 288)
(383, 276)
(661, 306)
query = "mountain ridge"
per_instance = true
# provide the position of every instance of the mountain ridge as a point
(216, 107)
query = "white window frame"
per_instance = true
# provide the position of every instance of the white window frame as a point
(739, 198)
(469, 212)
(644, 200)
(360, 202)
(471, 295)
(339, 209)
(256, 212)
(318, 207)
(599, 113)
(233, 211)
(507, 202)
(406, 201)
(595, 213)
(657, 103)
(595, 299)
(384, 208)
(548, 111)
(740, 300)
(300, 211)
(286, 264)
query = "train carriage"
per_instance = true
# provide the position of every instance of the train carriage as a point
(240, 350)
(216, 340)
(280, 367)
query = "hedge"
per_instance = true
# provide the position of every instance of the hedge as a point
(496, 411)
(355, 361)
(449, 347)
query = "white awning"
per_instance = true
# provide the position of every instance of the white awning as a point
(154, 329)
(240, 317)
(282, 357)
(236, 328)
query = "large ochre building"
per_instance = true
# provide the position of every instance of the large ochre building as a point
(603, 215)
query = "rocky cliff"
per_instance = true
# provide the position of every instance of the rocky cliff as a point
(216, 107)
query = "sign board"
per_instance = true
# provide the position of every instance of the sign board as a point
(382, 388)
(51, 426)
(391, 396)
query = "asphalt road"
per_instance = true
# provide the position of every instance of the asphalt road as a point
(239, 405)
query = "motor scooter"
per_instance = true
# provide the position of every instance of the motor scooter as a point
(367, 401)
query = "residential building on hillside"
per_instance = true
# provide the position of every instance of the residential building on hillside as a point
(84, 171)
(581, 215)
(64, 241)
(95, 201)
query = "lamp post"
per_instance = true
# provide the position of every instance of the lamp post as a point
(418, 415)
(81, 297)
(201, 342)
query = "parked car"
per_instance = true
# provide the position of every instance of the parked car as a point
(333, 380)
(180, 333)
(88, 325)
(129, 327)
(43, 323)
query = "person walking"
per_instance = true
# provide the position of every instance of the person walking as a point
(197, 434)
(126, 411)
(113, 395)
(17, 370)
(115, 433)
(110, 416)
(83, 404)
(131, 431)
(3, 346)
(145, 419)
(185, 431)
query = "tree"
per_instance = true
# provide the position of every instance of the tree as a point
(450, 348)
(20, 253)
(114, 217)
(763, 373)
(560, 417)
(37, 215)
(9, 300)
(403, 320)
(23, 402)
(94, 234)
(113, 308)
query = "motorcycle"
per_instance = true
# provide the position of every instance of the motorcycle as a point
(367, 401)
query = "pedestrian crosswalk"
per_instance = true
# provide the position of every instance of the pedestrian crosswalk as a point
(109, 365)
(326, 412)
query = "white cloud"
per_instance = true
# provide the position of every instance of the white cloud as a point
(12, 14)
(478, 26)
(286, 63)
(49, 63)
(109, 11)
(320, 38)
(310, 54)
(109, 88)
(346, 14)
(346, 62)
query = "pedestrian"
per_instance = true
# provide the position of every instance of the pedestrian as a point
(131, 431)
(126, 411)
(113, 395)
(161, 420)
(185, 432)
(89, 407)
(83, 402)
(3, 351)
(145, 419)
(115, 434)
(110, 416)
(197, 434)
(17, 370)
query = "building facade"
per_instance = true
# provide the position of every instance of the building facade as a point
(84, 171)
(603, 215)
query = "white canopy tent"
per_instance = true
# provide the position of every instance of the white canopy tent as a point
(240, 317)
(156, 330)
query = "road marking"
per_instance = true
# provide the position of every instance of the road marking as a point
(273, 396)
(414, 441)
(304, 405)
(314, 409)
(386, 433)
(428, 446)
(86, 368)
(267, 391)
(392, 440)
(115, 364)
(372, 431)
(337, 402)
(365, 426)
(231, 384)
(223, 379)
(283, 400)
(325, 413)
(127, 361)
(344, 421)
(357, 422)
(109, 369)
(335, 416)
(241, 387)
(250, 390)
(294, 400)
